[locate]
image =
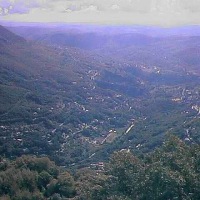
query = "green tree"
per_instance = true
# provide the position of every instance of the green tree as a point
(170, 172)
(66, 185)
(91, 184)
(126, 171)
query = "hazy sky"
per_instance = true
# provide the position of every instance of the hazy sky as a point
(149, 12)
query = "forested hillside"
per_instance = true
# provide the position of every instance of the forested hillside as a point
(78, 96)
(170, 172)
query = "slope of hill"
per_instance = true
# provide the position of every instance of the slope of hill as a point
(9, 37)
(52, 93)
(78, 106)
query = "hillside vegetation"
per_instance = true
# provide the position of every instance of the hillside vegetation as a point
(64, 96)
(170, 172)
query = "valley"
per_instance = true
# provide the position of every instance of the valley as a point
(78, 103)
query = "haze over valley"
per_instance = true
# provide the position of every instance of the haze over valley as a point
(79, 93)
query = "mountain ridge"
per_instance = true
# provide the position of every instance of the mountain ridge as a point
(8, 37)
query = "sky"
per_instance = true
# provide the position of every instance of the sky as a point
(140, 12)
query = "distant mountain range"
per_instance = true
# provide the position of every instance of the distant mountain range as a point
(28, 29)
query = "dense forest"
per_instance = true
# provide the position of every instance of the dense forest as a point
(170, 172)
